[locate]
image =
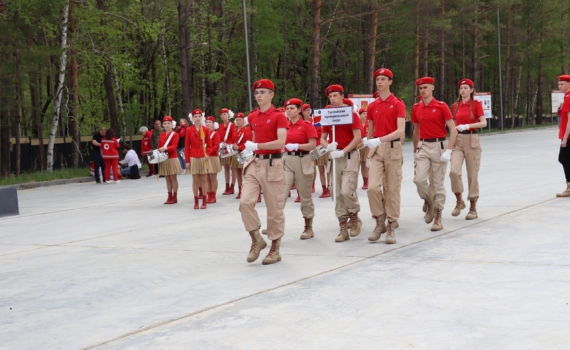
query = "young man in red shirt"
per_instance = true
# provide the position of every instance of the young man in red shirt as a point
(432, 151)
(343, 151)
(228, 135)
(265, 171)
(564, 154)
(386, 128)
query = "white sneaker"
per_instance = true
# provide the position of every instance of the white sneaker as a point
(117, 181)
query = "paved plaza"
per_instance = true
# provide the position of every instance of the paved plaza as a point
(111, 267)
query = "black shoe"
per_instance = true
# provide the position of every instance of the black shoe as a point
(161, 176)
(98, 181)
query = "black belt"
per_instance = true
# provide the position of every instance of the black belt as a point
(298, 153)
(268, 156)
(468, 132)
(392, 142)
(434, 140)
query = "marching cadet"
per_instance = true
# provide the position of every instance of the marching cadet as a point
(343, 151)
(364, 151)
(299, 168)
(468, 115)
(215, 166)
(432, 151)
(323, 161)
(386, 128)
(170, 168)
(197, 151)
(564, 131)
(265, 171)
(228, 136)
(306, 115)
(243, 135)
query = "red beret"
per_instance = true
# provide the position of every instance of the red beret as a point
(376, 94)
(197, 111)
(425, 80)
(361, 110)
(305, 106)
(334, 88)
(263, 84)
(466, 81)
(564, 77)
(210, 118)
(167, 119)
(293, 101)
(223, 110)
(348, 102)
(385, 72)
(239, 115)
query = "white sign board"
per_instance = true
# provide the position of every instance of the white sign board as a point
(361, 101)
(557, 100)
(485, 99)
(334, 115)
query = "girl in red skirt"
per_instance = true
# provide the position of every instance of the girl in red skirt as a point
(197, 150)
(170, 168)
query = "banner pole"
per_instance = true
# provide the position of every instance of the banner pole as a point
(334, 168)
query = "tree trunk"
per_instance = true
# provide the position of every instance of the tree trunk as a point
(316, 55)
(59, 91)
(441, 80)
(184, 10)
(426, 48)
(416, 50)
(108, 83)
(120, 101)
(165, 61)
(371, 52)
(37, 114)
(74, 93)
(475, 59)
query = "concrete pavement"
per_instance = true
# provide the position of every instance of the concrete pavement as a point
(110, 267)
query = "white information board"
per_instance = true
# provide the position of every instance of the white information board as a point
(557, 100)
(334, 115)
(361, 101)
(485, 99)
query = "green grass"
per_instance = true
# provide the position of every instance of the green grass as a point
(45, 176)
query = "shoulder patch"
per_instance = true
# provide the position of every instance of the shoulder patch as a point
(440, 102)
(417, 103)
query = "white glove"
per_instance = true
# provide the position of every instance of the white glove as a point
(292, 147)
(250, 146)
(462, 127)
(373, 143)
(365, 141)
(332, 146)
(368, 162)
(337, 154)
(446, 157)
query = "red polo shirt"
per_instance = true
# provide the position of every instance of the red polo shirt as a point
(265, 125)
(343, 133)
(564, 115)
(431, 118)
(385, 113)
(365, 128)
(465, 114)
(300, 132)
(244, 135)
(232, 135)
(194, 147)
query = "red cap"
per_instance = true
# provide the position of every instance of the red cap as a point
(334, 88)
(348, 102)
(223, 110)
(425, 80)
(466, 81)
(361, 110)
(385, 72)
(210, 118)
(293, 101)
(305, 106)
(197, 111)
(376, 94)
(564, 77)
(264, 84)
(239, 115)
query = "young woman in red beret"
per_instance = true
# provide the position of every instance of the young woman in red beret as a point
(564, 131)
(469, 116)
(170, 168)
(215, 166)
(197, 150)
(364, 152)
(228, 136)
(299, 168)
(243, 135)
(110, 154)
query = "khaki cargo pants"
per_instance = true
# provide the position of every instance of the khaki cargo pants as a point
(300, 170)
(427, 161)
(346, 180)
(385, 180)
(467, 147)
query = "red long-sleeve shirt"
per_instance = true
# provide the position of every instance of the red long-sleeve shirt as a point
(215, 137)
(146, 144)
(172, 145)
(232, 135)
(194, 147)
(243, 135)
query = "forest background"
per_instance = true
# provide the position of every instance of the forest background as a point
(68, 67)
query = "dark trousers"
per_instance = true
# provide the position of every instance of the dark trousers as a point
(564, 159)
(99, 164)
